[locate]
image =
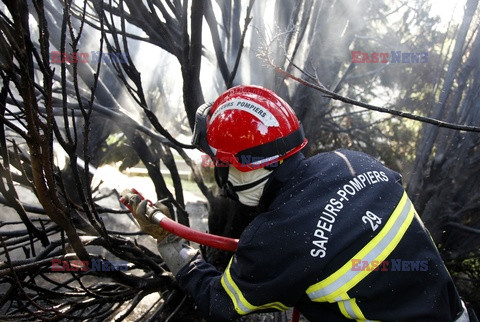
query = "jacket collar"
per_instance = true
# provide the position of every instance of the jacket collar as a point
(280, 179)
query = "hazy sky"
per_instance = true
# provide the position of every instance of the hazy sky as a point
(444, 9)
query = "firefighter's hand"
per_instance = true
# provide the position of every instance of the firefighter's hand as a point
(142, 211)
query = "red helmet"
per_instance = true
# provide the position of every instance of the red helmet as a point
(249, 127)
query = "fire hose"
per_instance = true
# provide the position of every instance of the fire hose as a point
(215, 241)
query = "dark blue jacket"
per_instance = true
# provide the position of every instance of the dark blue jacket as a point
(337, 238)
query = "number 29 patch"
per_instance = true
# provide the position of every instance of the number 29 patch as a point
(372, 219)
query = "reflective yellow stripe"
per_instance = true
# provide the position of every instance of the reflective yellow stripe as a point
(341, 305)
(350, 308)
(356, 310)
(377, 249)
(242, 306)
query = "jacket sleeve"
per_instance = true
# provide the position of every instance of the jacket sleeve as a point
(226, 296)
(202, 281)
(257, 279)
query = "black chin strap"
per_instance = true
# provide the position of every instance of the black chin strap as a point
(246, 186)
(229, 190)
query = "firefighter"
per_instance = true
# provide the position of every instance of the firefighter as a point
(336, 235)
